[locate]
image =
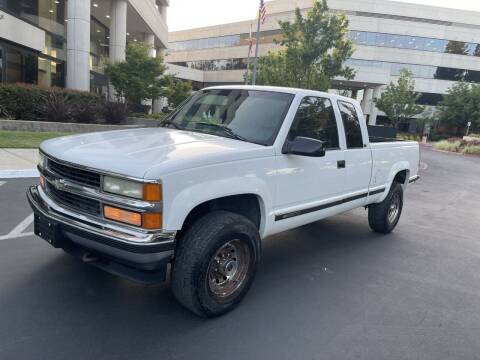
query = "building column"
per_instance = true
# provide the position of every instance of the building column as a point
(149, 39)
(366, 101)
(78, 45)
(377, 92)
(118, 30)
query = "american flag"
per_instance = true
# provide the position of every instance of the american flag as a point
(262, 11)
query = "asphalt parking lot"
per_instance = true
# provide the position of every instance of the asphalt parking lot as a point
(329, 290)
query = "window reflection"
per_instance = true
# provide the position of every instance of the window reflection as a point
(222, 41)
(414, 43)
(420, 71)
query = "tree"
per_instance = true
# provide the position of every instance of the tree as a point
(399, 101)
(457, 47)
(177, 91)
(460, 105)
(139, 77)
(313, 52)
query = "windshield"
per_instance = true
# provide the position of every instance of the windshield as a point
(248, 115)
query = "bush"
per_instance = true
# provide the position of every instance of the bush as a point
(28, 102)
(446, 145)
(20, 101)
(115, 112)
(409, 136)
(4, 114)
(471, 149)
(54, 106)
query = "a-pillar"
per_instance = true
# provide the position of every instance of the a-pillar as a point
(78, 45)
(118, 30)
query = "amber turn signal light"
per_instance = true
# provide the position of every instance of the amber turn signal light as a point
(152, 220)
(124, 216)
(152, 192)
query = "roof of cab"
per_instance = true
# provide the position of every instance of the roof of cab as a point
(288, 90)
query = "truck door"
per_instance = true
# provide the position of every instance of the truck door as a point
(308, 185)
(358, 157)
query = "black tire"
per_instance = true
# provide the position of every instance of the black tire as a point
(195, 257)
(378, 214)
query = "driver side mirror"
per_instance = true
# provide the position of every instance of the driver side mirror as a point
(305, 146)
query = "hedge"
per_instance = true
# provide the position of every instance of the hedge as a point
(29, 102)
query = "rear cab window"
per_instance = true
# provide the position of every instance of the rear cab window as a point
(351, 124)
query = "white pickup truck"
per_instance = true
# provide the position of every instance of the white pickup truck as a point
(231, 166)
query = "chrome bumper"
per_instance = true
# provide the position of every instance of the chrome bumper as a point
(138, 256)
(127, 235)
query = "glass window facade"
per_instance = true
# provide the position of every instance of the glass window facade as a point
(421, 71)
(99, 46)
(222, 41)
(17, 64)
(48, 14)
(414, 43)
(48, 67)
(215, 65)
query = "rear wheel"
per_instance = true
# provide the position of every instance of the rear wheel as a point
(383, 217)
(215, 263)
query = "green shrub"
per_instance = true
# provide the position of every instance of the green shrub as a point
(54, 106)
(409, 136)
(20, 101)
(115, 112)
(446, 145)
(471, 149)
(156, 116)
(28, 102)
(474, 135)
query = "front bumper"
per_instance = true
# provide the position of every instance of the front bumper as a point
(140, 256)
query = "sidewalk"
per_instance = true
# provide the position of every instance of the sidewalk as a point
(16, 163)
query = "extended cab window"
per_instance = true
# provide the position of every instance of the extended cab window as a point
(250, 115)
(315, 119)
(353, 131)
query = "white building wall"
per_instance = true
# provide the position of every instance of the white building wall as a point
(364, 15)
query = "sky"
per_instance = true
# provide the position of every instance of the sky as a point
(187, 14)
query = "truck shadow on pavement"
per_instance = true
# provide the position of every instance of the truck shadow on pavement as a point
(309, 267)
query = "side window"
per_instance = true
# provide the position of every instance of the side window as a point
(353, 131)
(315, 119)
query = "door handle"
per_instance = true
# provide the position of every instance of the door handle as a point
(341, 164)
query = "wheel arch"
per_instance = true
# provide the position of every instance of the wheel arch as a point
(249, 205)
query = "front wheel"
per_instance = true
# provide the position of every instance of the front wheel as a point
(384, 216)
(215, 263)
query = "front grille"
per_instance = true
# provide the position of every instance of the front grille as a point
(83, 177)
(73, 201)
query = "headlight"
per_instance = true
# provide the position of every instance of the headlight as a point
(42, 161)
(137, 190)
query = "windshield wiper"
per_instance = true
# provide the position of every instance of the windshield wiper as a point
(229, 132)
(168, 122)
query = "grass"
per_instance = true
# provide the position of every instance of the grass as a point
(25, 139)
(471, 149)
(446, 145)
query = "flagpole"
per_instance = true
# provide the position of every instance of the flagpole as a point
(248, 58)
(254, 75)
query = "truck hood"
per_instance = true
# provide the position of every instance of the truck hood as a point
(150, 152)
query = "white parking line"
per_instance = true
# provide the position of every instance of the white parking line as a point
(22, 226)
(2, 183)
(8, 237)
(18, 230)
